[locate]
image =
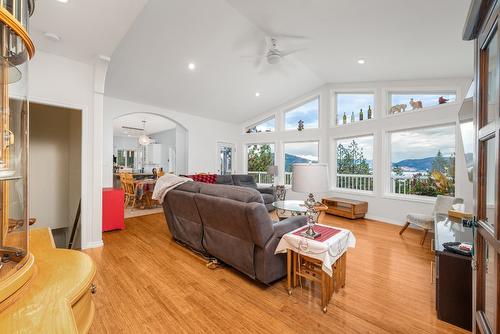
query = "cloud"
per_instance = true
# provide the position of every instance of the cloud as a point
(307, 112)
(366, 143)
(307, 150)
(422, 143)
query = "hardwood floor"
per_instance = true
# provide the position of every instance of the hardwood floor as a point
(146, 283)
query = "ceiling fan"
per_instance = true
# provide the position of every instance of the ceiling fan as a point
(273, 54)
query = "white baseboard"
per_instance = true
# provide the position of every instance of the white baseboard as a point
(385, 220)
(95, 244)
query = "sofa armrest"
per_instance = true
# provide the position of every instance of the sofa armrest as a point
(283, 227)
(266, 190)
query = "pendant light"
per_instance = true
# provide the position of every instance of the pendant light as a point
(144, 139)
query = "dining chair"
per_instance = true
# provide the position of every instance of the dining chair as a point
(128, 186)
(425, 221)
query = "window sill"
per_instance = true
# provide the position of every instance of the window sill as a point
(355, 123)
(354, 192)
(410, 198)
(410, 112)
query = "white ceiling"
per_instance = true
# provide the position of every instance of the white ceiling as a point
(154, 124)
(87, 28)
(150, 64)
(400, 40)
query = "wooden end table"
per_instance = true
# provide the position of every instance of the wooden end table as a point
(301, 266)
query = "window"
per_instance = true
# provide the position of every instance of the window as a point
(401, 102)
(355, 163)
(301, 152)
(268, 125)
(259, 157)
(423, 161)
(126, 158)
(354, 107)
(307, 115)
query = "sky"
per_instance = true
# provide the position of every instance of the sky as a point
(353, 102)
(366, 143)
(307, 112)
(268, 125)
(306, 150)
(422, 143)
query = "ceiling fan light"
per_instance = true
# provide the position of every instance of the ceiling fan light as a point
(273, 59)
(144, 140)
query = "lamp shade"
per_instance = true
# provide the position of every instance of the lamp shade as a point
(310, 178)
(272, 170)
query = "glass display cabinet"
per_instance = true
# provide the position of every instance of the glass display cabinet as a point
(16, 49)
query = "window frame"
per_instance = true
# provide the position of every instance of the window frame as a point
(388, 92)
(255, 124)
(387, 164)
(283, 157)
(298, 105)
(334, 104)
(333, 159)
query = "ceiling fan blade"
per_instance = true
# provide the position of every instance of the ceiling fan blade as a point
(289, 36)
(289, 52)
(131, 128)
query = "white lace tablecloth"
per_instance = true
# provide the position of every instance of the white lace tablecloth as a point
(327, 251)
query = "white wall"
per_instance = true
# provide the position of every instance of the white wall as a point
(202, 136)
(63, 82)
(382, 205)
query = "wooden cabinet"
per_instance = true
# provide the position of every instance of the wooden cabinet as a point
(58, 298)
(453, 274)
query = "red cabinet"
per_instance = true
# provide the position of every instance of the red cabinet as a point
(112, 209)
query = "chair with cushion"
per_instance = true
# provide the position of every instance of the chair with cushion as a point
(426, 222)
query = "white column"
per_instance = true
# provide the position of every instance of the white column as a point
(92, 236)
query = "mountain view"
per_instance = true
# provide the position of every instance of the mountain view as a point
(417, 165)
(290, 159)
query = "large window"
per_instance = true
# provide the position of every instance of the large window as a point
(423, 161)
(355, 163)
(269, 125)
(306, 115)
(259, 157)
(401, 102)
(301, 152)
(354, 107)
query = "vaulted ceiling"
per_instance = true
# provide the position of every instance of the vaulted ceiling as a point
(152, 42)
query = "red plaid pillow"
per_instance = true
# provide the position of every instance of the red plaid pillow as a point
(205, 178)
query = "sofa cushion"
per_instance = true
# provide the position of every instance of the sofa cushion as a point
(224, 179)
(192, 187)
(268, 198)
(244, 181)
(205, 178)
(240, 194)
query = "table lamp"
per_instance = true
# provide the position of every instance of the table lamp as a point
(310, 178)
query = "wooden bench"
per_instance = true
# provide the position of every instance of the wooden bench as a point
(344, 207)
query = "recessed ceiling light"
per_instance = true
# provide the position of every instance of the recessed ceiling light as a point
(52, 36)
(192, 66)
(361, 61)
(257, 94)
(63, 1)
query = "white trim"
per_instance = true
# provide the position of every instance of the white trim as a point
(354, 191)
(93, 244)
(410, 198)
